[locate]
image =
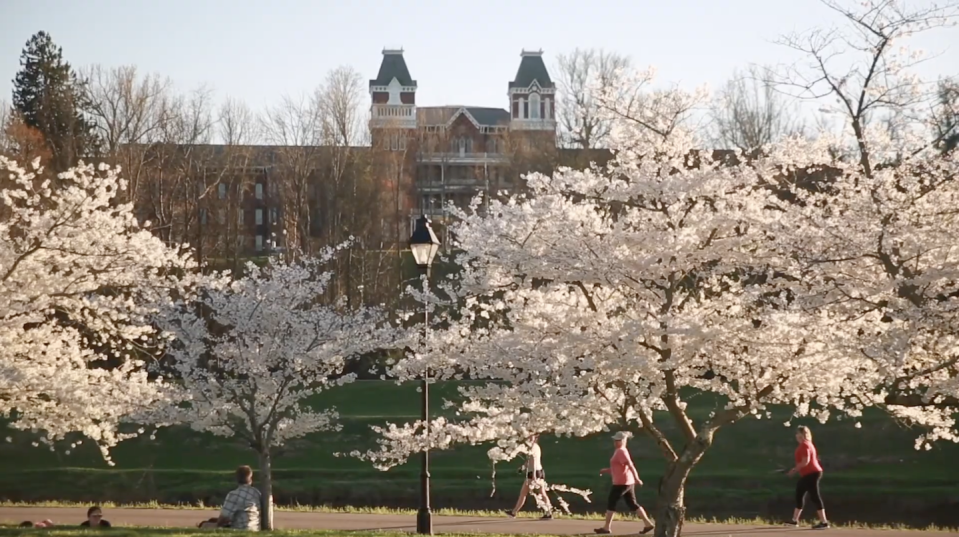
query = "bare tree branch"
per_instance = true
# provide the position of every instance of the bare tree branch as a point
(581, 74)
(748, 113)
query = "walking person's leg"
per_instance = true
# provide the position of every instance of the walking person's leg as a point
(816, 498)
(521, 501)
(539, 489)
(615, 493)
(801, 489)
(630, 497)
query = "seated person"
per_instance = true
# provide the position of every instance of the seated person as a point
(95, 518)
(42, 524)
(241, 508)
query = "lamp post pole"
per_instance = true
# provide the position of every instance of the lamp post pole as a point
(424, 517)
(424, 245)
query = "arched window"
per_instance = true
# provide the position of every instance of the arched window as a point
(534, 109)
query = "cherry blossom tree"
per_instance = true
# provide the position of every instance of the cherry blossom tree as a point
(876, 255)
(78, 279)
(873, 245)
(863, 72)
(249, 354)
(596, 300)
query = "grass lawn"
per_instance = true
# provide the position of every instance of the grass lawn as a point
(873, 474)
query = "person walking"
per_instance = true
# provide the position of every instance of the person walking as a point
(810, 472)
(534, 483)
(625, 479)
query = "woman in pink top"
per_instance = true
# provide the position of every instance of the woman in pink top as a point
(810, 472)
(625, 478)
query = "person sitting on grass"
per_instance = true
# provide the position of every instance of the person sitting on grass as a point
(95, 518)
(42, 524)
(241, 508)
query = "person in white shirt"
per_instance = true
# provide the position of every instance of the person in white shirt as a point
(535, 481)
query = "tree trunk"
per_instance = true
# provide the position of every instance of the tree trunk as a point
(671, 506)
(266, 491)
(671, 500)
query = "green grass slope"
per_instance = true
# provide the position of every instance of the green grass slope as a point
(873, 474)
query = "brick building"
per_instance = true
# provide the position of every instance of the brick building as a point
(454, 152)
(238, 201)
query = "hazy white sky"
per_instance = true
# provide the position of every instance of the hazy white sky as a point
(459, 52)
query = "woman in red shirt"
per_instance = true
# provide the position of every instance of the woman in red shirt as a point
(625, 478)
(810, 472)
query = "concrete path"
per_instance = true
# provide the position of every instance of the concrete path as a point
(407, 523)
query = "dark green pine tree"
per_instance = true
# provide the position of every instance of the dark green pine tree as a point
(49, 97)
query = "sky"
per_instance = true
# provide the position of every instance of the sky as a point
(459, 52)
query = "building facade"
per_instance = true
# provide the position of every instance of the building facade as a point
(454, 152)
(234, 201)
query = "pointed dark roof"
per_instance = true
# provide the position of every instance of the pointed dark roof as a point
(531, 68)
(393, 66)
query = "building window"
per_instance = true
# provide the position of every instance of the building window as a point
(548, 109)
(259, 191)
(523, 109)
(271, 186)
(240, 241)
(239, 216)
(274, 216)
(221, 216)
(202, 217)
(259, 243)
(534, 106)
(397, 142)
(221, 191)
(492, 145)
(258, 216)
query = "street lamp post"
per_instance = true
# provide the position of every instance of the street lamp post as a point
(424, 245)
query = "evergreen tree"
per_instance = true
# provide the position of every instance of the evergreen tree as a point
(49, 97)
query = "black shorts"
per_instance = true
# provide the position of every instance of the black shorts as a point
(538, 474)
(626, 492)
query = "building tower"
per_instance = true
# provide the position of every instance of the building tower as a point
(532, 96)
(393, 106)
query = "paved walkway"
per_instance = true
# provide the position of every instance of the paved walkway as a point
(407, 523)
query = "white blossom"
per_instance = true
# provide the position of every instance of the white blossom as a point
(249, 354)
(78, 276)
(602, 295)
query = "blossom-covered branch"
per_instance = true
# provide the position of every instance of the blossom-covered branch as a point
(78, 279)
